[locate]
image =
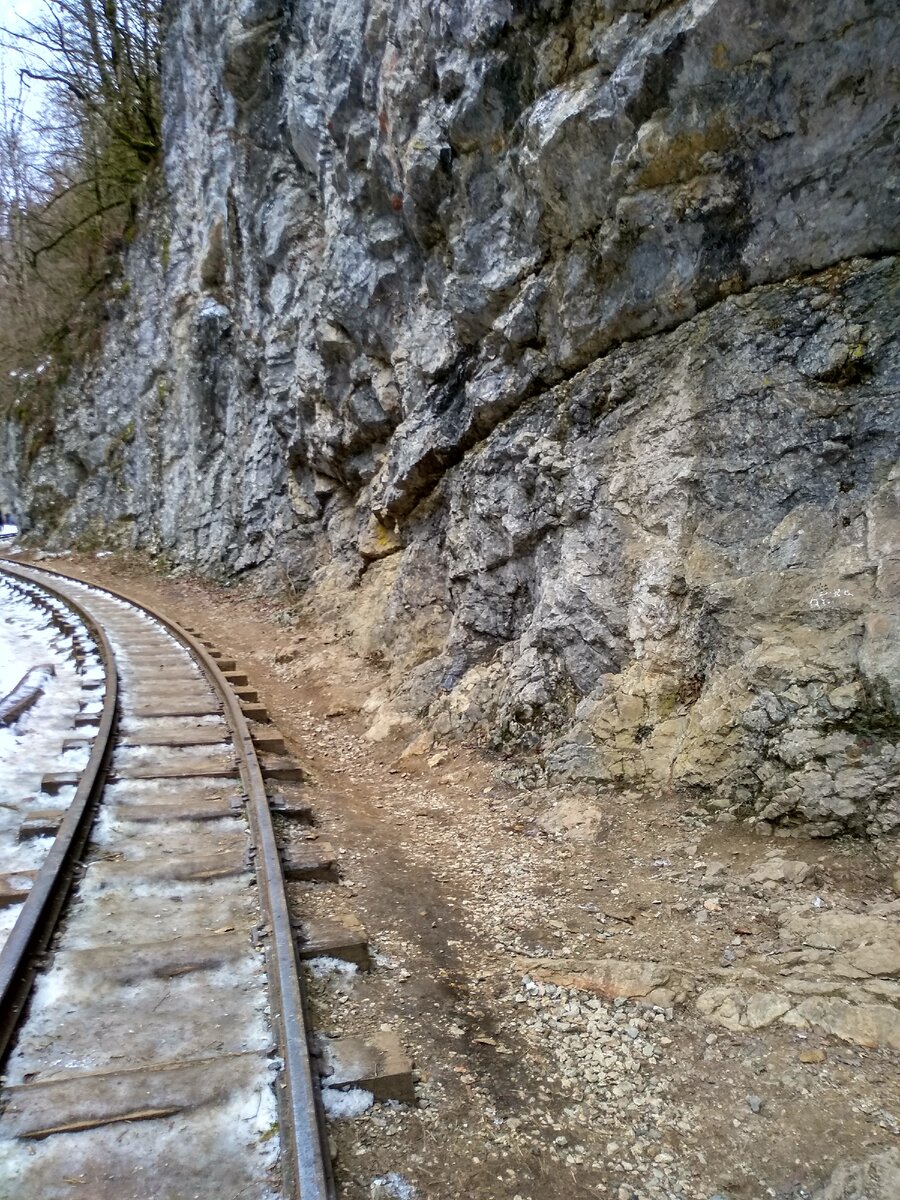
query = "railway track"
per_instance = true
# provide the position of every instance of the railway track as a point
(160, 1050)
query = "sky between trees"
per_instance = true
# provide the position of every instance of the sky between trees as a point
(79, 140)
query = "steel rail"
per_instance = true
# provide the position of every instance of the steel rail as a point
(307, 1166)
(35, 923)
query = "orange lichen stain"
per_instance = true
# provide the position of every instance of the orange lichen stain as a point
(732, 286)
(678, 159)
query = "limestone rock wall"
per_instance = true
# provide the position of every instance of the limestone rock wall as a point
(544, 347)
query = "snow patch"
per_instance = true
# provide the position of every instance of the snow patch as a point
(392, 1185)
(32, 746)
(323, 967)
(342, 1104)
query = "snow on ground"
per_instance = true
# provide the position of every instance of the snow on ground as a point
(393, 1185)
(348, 1102)
(32, 746)
(23, 637)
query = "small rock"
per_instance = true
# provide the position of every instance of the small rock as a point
(754, 1103)
(780, 870)
(388, 724)
(418, 747)
(291, 652)
(714, 874)
(812, 1056)
(575, 819)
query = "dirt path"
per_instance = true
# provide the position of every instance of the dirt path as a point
(510, 960)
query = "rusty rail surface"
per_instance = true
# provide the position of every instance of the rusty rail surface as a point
(307, 1164)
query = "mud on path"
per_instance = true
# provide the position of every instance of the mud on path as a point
(510, 960)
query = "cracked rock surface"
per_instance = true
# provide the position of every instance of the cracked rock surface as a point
(545, 349)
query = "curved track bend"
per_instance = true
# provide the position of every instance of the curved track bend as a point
(162, 1052)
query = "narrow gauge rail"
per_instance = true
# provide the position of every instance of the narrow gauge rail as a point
(162, 1052)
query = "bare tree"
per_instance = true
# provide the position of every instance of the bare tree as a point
(105, 58)
(68, 184)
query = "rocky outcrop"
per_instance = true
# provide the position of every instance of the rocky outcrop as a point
(837, 972)
(546, 349)
(877, 1177)
(695, 572)
(833, 973)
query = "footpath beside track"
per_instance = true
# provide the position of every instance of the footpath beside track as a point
(163, 1051)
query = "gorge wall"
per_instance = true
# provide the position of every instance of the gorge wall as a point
(546, 349)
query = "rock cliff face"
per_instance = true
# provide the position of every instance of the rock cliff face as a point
(545, 347)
